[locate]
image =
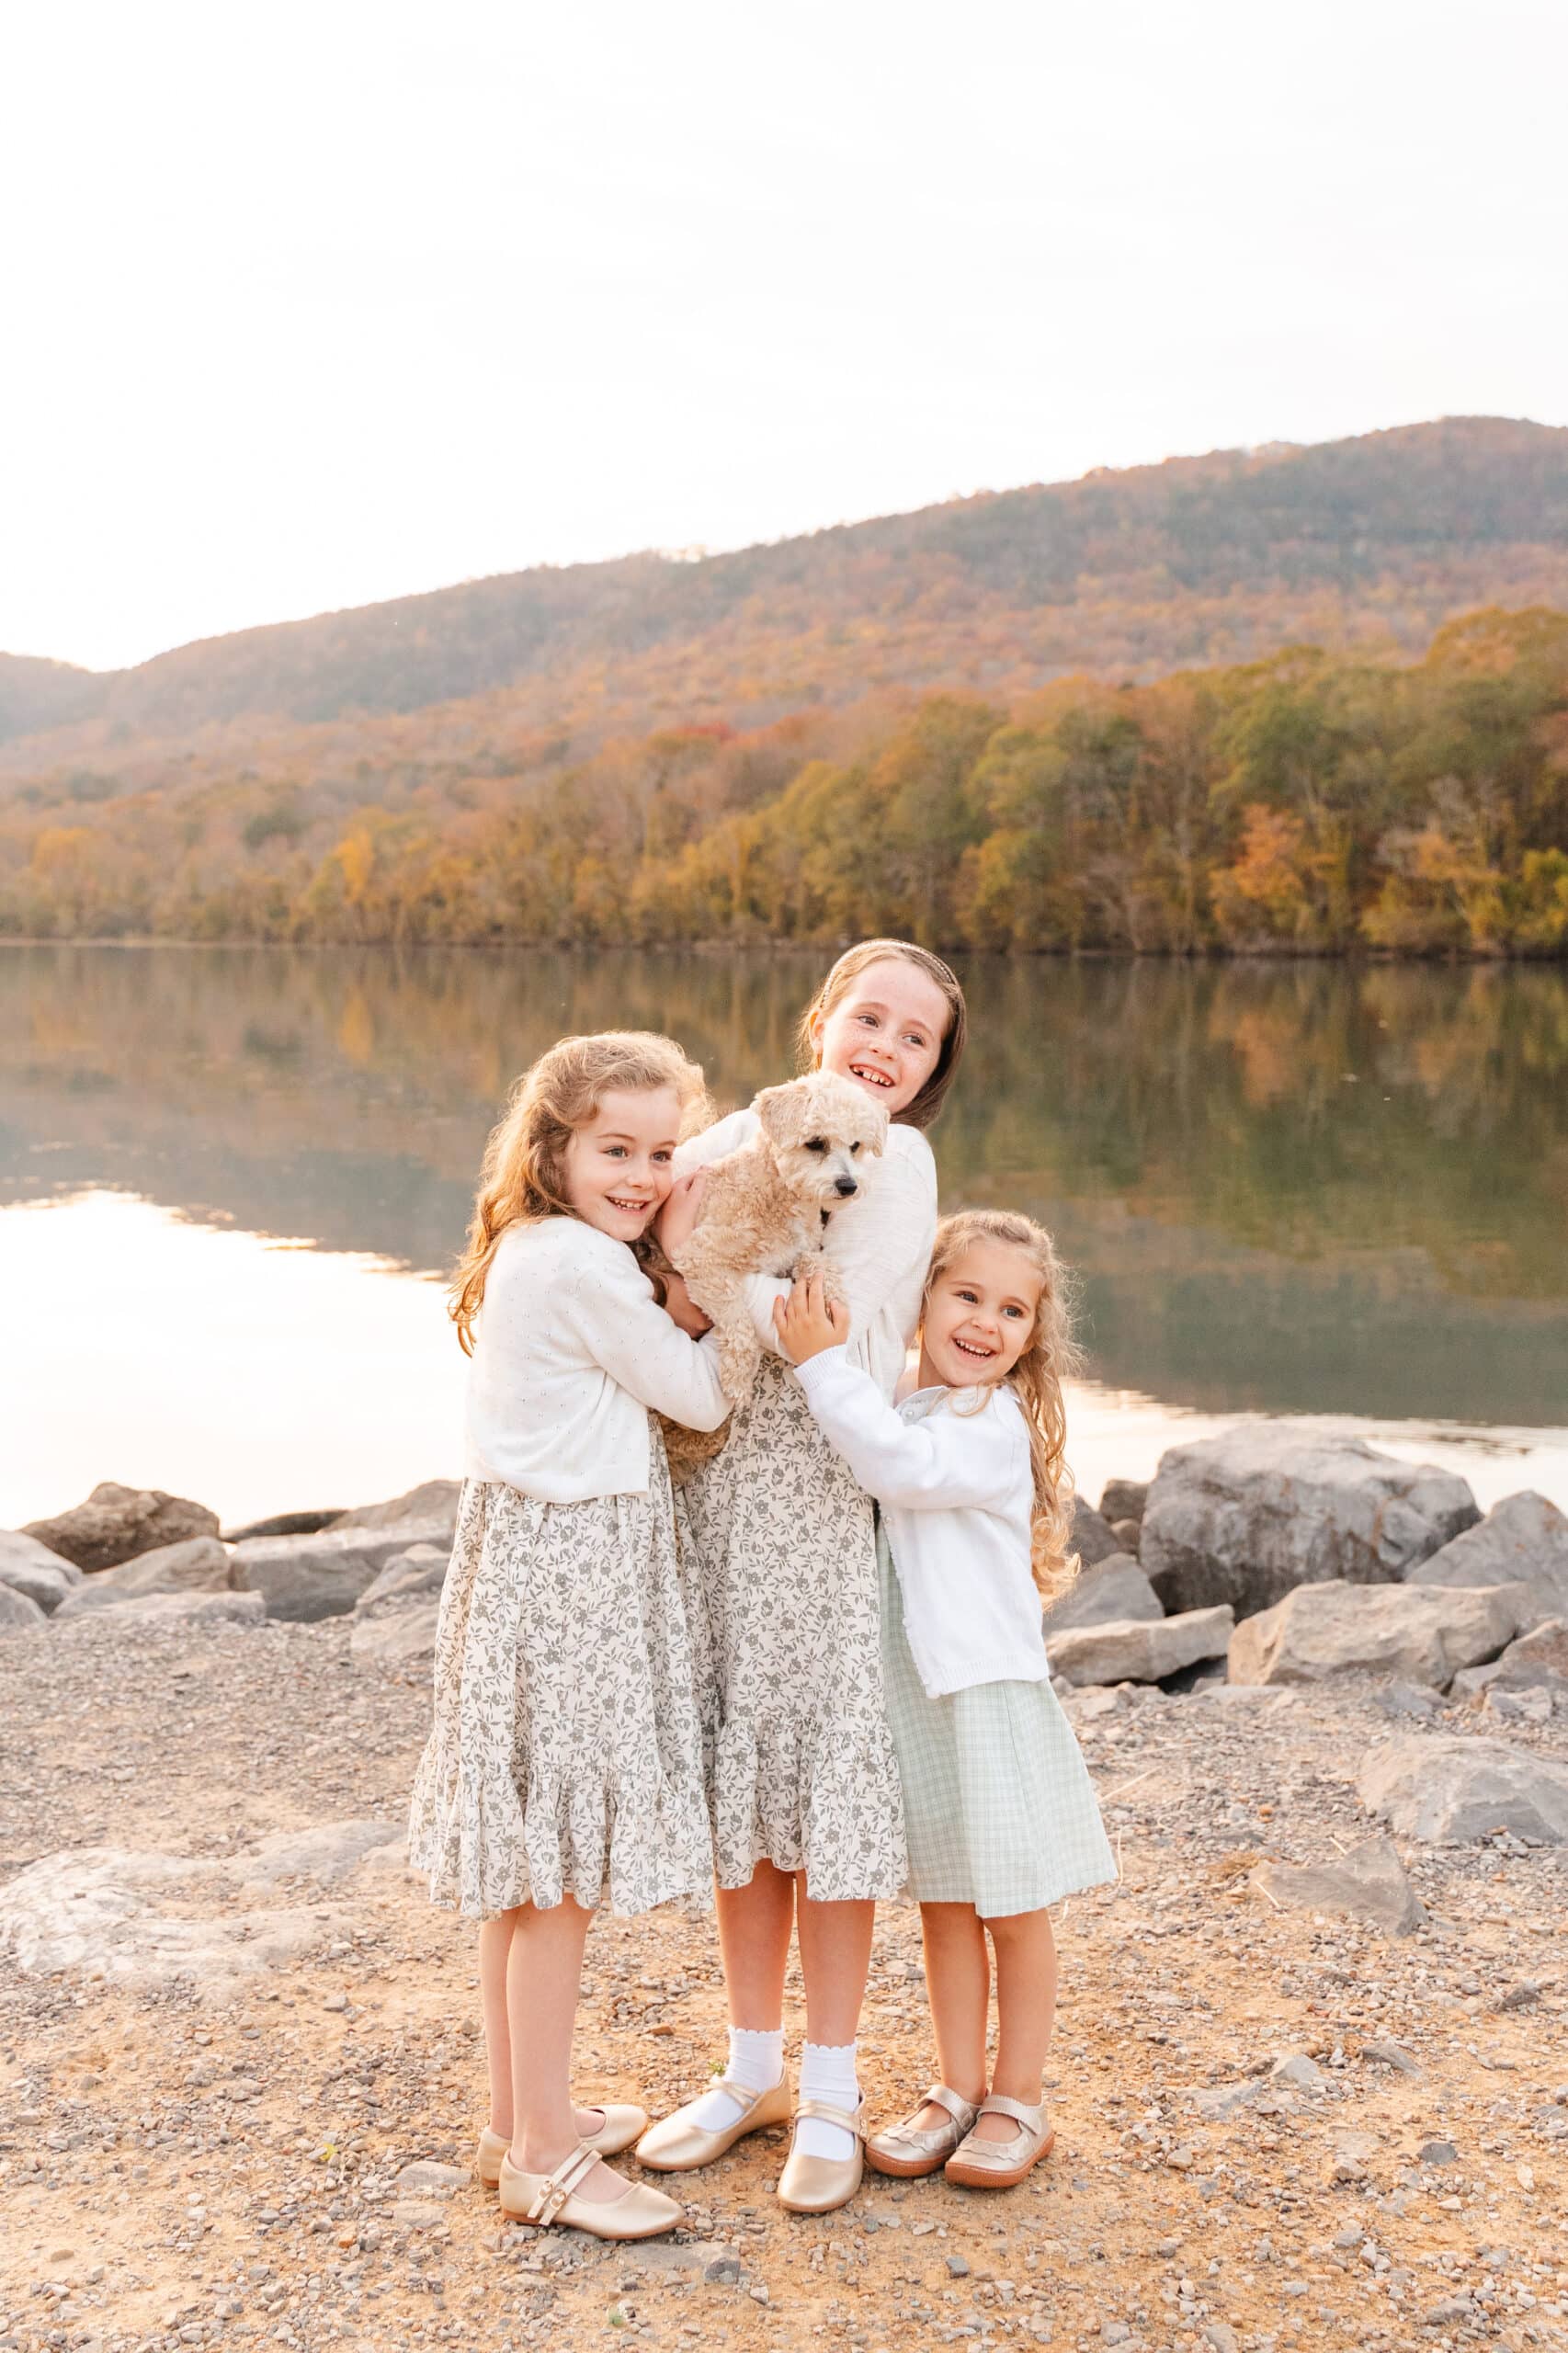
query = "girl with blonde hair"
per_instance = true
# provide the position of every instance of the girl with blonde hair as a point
(976, 1514)
(808, 1825)
(564, 1762)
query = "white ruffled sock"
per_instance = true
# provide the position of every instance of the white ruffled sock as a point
(828, 2073)
(756, 2064)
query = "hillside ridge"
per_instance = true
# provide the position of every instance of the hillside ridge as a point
(1194, 559)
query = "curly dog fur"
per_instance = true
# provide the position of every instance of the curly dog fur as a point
(765, 1211)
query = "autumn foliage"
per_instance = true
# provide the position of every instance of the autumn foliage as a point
(1307, 802)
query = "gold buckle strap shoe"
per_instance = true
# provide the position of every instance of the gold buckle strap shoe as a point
(998, 2164)
(816, 2184)
(677, 2145)
(622, 2124)
(546, 2197)
(908, 2150)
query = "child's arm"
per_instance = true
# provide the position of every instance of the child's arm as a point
(614, 1313)
(945, 1462)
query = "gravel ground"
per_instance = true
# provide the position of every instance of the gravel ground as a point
(186, 2162)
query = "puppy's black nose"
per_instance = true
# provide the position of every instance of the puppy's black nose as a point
(845, 1185)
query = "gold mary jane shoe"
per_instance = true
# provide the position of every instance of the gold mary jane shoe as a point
(545, 2198)
(907, 2150)
(678, 2145)
(622, 2124)
(816, 2184)
(999, 2165)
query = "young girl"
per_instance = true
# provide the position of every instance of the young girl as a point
(976, 1512)
(564, 1763)
(803, 1785)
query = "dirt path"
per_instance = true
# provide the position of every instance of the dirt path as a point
(222, 2158)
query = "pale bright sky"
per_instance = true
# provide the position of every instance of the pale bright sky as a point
(308, 305)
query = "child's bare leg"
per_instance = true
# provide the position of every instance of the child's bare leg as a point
(835, 1955)
(495, 1945)
(755, 1924)
(544, 1971)
(1026, 2011)
(958, 1985)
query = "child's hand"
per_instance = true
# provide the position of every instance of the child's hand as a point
(807, 1322)
(683, 1207)
(682, 1309)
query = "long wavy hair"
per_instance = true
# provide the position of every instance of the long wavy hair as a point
(836, 987)
(1049, 1359)
(522, 1177)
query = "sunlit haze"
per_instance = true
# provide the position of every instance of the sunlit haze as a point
(311, 306)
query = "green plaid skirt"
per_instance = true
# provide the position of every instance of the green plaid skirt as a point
(997, 1801)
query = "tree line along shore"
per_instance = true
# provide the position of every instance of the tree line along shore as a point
(1312, 803)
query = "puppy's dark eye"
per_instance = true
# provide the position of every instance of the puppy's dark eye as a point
(815, 1144)
(853, 1150)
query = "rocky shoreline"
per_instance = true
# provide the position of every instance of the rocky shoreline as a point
(1311, 2075)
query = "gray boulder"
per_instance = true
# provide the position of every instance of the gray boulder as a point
(1537, 1662)
(1124, 1499)
(1091, 1539)
(1114, 1588)
(161, 1609)
(327, 1852)
(1522, 1540)
(435, 1504)
(1447, 1791)
(29, 1567)
(1140, 1650)
(1319, 1630)
(18, 1612)
(1244, 1517)
(400, 1638)
(324, 1576)
(199, 1565)
(416, 1574)
(1369, 1883)
(116, 1523)
(285, 1523)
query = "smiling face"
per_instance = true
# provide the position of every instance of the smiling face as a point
(619, 1166)
(885, 1033)
(980, 1316)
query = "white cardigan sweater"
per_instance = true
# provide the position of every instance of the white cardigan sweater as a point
(571, 1353)
(953, 1478)
(880, 1245)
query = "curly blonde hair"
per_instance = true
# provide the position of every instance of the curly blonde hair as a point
(522, 1177)
(1049, 1359)
(955, 1036)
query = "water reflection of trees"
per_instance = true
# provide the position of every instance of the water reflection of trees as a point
(1389, 1145)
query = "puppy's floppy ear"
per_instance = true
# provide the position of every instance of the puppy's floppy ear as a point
(778, 1109)
(875, 1135)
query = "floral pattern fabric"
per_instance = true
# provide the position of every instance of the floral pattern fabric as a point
(565, 1753)
(800, 1760)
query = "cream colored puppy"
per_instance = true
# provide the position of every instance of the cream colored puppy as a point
(766, 1208)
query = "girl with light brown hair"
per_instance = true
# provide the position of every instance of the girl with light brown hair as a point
(976, 1514)
(808, 1825)
(564, 1763)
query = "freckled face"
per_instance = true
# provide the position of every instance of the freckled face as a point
(619, 1166)
(978, 1317)
(885, 1033)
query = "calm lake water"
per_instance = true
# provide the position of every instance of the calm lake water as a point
(229, 1180)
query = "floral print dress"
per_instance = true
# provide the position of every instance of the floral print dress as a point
(801, 1771)
(566, 1754)
(780, 1541)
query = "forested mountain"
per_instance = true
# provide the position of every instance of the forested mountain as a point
(1194, 706)
(1200, 560)
(1304, 803)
